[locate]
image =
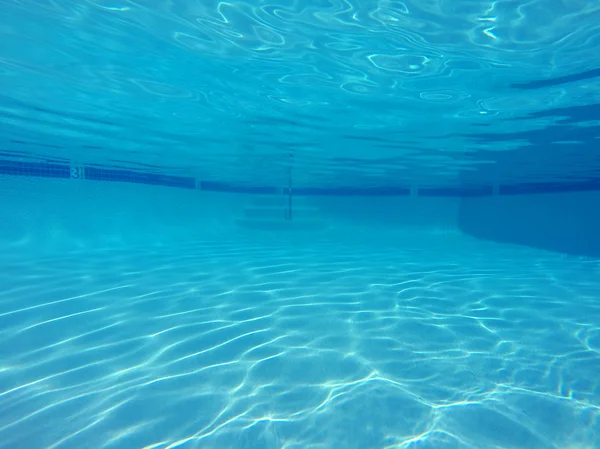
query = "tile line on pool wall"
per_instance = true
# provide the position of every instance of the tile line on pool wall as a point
(115, 174)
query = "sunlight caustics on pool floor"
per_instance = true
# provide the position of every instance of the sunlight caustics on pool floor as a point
(247, 342)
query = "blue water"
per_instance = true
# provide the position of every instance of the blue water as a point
(238, 343)
(348, 93)
(308, 225)
(233, 343)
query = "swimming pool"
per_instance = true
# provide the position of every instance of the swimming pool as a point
(313, 225)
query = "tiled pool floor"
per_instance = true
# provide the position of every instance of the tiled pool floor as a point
(252, 342)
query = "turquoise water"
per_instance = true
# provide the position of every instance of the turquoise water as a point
(360, 93)
(306, 225)
(237, 342)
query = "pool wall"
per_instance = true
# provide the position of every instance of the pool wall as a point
(50, 215)
(562, 222)
(46, 209)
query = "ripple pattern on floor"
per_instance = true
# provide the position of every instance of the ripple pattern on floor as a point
(246, 342)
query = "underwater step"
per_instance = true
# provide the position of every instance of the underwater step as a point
(282, 225)
(278, 200)
(275, 212)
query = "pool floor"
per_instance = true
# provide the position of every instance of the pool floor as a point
(259, 341)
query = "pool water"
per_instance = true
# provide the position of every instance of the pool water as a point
(315, 224)
(404, 340)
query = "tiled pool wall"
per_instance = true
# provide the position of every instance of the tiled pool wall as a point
(562, 222)
(57, 207)
(59, 214)
(64, 170)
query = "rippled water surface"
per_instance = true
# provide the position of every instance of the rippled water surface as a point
(358, 92)
(429, 342)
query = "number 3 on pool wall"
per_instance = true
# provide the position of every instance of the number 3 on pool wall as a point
(76, 172)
